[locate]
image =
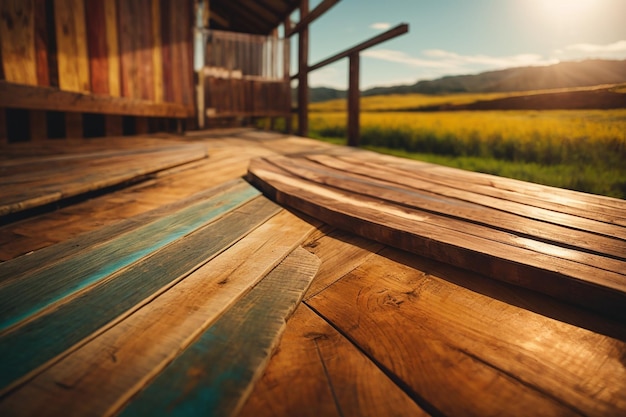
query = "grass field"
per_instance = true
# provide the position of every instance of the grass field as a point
(583, 150)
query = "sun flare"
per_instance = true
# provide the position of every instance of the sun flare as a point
(564, 9)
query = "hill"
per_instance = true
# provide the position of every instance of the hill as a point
(561, 75)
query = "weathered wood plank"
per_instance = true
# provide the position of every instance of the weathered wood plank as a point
(71, 38)
(340, 253)
(41, 43)
(237, 347)
(38, 125)
(63, 178)
(421, 179)
(318, 372)
(528, 264)
(468, 353)
(560, 200)
(112, 46)
(65, 279)
(97, 46)
(38, 341)
(17, 40)
(583, 237)
(16, 269)
(73, 125)
(157, 55)
(123, 359)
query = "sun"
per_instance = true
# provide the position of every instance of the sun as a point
(564, 10)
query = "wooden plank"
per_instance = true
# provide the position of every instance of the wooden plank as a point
(303, 73)
(128, 359)
(71, 38)
(42, 98)
(112, 42)
(17, 39)
(49, 258)
(141, 125)
(167, 50)
(74, 176)
(318, 372)
(144, 53)
(41, 43)
(340, 253)
(590, 206)
(130, 30)
(157, 54)
(60, 280)
(176, 48)
(446, 240)
(468, 353)
(36, 342)
(354, 99)
(418, 179)
(584, 236)
(97, 46)
(237, 346)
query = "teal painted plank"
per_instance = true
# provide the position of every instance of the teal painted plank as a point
(31, 345)
(18, 268)
(25, 297)
(214, 375)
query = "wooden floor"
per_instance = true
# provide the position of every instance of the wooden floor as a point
(146, 276)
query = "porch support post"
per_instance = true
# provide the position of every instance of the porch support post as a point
(303, 75)
(354, 98)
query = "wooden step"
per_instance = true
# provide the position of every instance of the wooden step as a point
(568, 256)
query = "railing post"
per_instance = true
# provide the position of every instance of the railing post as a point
(354, 98)
(303, 75)
(287, 75)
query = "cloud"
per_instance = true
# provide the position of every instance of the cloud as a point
(453, 63)
(614, 50)
(380, 26)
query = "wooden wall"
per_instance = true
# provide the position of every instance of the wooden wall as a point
(109, 57)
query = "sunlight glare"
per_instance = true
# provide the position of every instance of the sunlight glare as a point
(564, 10)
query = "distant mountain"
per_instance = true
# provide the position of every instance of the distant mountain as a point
(561, 75)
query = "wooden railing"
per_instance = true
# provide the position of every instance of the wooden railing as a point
(353, 80)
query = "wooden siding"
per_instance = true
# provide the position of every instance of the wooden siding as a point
(136, 50)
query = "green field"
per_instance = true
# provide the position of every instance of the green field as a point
(583, 150)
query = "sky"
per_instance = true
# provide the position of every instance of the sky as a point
(454, 37)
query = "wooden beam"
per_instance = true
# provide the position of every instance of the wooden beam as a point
(44, 98)
(303, 75)
(17, 41)
(286, 70)
(391, 33)
(304, 22)
(354, 97)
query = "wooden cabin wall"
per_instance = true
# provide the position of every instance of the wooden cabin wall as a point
(128, 49)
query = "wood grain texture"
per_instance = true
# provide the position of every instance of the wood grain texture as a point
(26, 185)
(467, 353)
(40, 340)
(17, 39)
(237, 346)
(112, 47)
(49, 258)
(157, 54)
(124, 359)
(61, 280)
(71, 38)
(97, 46)
(42, 98)
(41, 43)
(318, 372)
(594, 280)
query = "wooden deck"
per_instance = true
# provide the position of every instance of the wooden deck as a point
(145, 276)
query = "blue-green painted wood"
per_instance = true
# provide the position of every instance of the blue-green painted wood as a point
(17, 268)
(213, 375)
(34, 343)
(22, 298)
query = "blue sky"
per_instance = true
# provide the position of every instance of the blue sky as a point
(451, 37)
